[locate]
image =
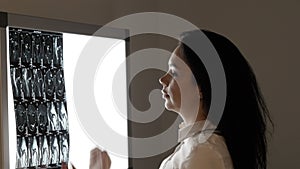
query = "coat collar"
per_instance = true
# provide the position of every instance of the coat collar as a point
(190, 130)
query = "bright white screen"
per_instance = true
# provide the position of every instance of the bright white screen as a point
(80, 144)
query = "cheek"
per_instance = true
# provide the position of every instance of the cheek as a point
(175, 92)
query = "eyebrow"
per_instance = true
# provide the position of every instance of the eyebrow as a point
(172, 65)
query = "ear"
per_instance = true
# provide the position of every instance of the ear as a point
(200, 94)
(194, 81)
(199, 88)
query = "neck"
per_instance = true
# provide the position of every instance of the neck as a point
(191, 114)
(191, 119)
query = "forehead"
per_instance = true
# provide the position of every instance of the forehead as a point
(176, 59)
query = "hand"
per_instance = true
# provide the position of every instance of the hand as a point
(65, 166)
(99, 159)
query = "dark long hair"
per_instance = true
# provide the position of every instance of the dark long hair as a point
(244, 120)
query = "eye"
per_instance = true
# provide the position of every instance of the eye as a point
(172, 72)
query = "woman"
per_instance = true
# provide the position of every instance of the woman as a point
(239, 140)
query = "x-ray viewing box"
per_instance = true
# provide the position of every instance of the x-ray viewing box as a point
(33, 92)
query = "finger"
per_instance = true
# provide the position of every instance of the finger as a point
(95, 154)
(96, 149)
(73, 167)
(64, 166)
(106, 160)
(95, 159)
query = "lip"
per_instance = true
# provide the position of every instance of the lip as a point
(164, 94)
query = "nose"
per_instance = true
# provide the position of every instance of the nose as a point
(164, 80)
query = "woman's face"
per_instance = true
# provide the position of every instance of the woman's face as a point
(179, 84)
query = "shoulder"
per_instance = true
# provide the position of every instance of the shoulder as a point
(212, 141)
(209, 153)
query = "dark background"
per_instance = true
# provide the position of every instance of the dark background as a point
(266, 32)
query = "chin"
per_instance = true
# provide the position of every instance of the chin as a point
(170, 107)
